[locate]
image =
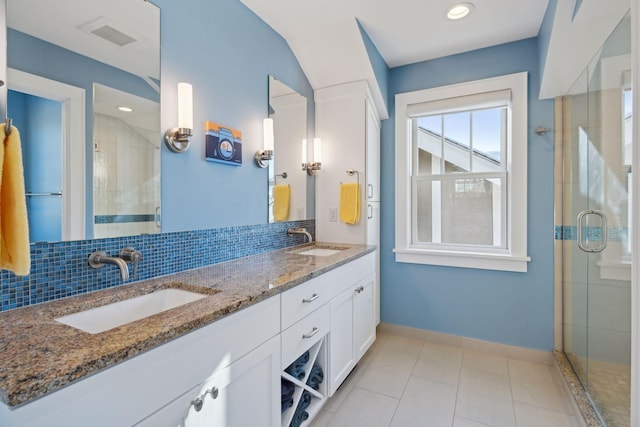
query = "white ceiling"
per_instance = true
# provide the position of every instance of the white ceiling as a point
(59, 23)
(408, 31)
(325, 38)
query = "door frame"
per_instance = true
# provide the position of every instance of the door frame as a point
(73, 100)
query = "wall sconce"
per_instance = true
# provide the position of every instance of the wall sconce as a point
(316, 165)
(177, 139)
(263, 156)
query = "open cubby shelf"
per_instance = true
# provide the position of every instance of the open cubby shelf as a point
(317, 356)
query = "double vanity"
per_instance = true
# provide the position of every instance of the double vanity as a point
(216, 355)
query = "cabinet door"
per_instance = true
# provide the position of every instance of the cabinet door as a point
(365, 331)
(342, 357)
(244, 393)
(373, 155)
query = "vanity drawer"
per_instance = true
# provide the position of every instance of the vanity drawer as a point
(305, 299)
(304, 334)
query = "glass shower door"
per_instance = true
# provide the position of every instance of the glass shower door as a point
(596, 209)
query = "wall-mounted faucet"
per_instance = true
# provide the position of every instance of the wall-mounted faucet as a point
(300, 230)
(99, 258)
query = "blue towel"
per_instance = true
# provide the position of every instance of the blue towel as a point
(286, 389)
(296, 369)
(305, 400)
(301, 415)
(298, 418)
(316, 376)
(286, 404)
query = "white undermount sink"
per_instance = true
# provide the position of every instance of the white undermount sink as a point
(320, 252)
(100, 319)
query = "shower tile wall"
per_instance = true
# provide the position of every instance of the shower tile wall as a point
(126, 186)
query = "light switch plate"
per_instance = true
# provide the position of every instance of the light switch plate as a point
(333, 214)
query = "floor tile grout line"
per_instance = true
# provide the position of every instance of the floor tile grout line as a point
(455, 404)
(513, 402)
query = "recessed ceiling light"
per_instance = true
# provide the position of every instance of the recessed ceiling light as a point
(459, 11)
(125, 109)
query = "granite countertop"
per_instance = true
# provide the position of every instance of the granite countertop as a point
(39, 355)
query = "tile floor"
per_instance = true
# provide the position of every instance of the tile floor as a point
(408, 382)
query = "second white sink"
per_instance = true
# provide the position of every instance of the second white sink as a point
(320, 252)
(119, 313)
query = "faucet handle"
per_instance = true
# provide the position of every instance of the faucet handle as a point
(129, 254)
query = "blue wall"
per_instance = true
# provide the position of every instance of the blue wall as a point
(504, 307)
(226, 52)
(40, 123)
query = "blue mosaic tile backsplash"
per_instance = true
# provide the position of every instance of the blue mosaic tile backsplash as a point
(60, 270)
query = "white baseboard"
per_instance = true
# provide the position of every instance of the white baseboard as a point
(472, 344)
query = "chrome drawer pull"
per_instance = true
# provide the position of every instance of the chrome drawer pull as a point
(313, 298)
(312, 333)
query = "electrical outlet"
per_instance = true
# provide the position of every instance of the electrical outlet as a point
(333, 214)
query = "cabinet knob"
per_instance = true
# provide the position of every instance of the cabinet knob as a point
(197, 403)
(360, 289)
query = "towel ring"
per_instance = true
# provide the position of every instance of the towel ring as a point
(351, 172)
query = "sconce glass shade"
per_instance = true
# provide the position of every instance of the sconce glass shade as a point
(263, 157)
(177, 139)
(185, 106)
(317, 150)
(312, 168)
(267, 127)
(303, 157)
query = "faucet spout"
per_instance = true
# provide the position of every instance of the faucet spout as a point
(99, 258)
(300, 230)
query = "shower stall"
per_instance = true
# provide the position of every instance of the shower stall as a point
(596, 228)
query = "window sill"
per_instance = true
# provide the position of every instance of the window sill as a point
(463, 259)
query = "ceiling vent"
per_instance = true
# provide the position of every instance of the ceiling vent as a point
(110, 31)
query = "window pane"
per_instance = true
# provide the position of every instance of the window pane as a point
(429, 144)
(457, 142)
(489, 130)
(460, 211)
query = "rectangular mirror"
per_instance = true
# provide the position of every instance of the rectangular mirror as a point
(287, 180)
(91, 169)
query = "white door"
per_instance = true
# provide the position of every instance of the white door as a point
(342, 355)
(364, 315)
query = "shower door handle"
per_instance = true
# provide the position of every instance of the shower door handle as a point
(603, 218)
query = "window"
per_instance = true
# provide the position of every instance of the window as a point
(461, 169)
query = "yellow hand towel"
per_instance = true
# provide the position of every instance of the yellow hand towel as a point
(281, 195)
(350, 203)
(14, 228)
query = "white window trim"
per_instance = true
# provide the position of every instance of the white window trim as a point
(515, 258)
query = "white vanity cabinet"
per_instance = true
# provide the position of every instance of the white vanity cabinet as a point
(352, 329)
(155, 388)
